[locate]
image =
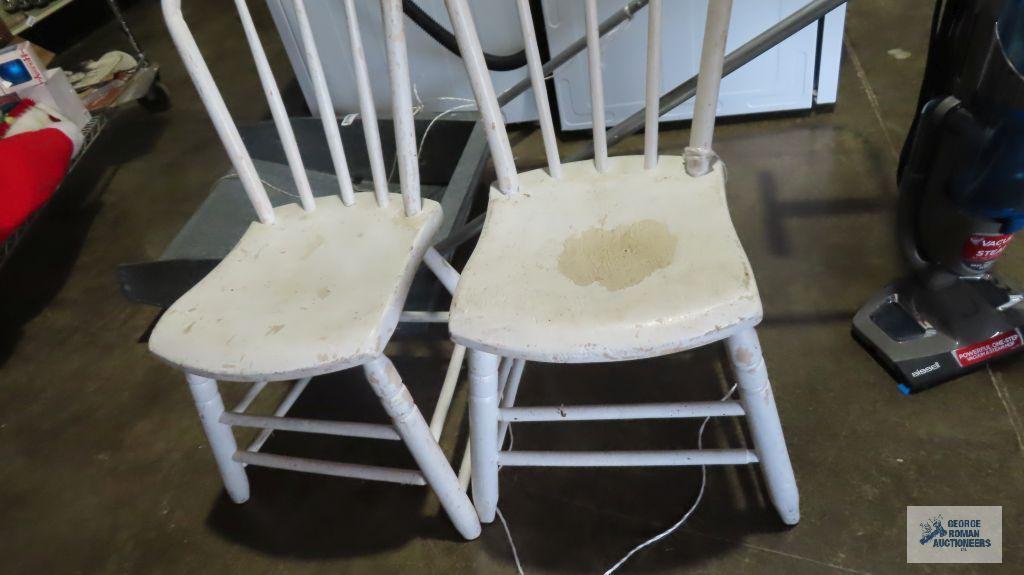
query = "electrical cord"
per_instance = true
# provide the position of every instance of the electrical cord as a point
(442, 36)
(659, 536)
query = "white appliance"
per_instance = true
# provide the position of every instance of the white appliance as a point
(782, 79)
(438, 76)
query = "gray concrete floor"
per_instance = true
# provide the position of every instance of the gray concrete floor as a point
(105, 469)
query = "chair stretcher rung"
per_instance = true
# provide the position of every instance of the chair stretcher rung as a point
(626, 458)
(635, 411)
(342, 428)
(351, 470)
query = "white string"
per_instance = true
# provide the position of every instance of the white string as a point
(656, 538)
(700, 495)
(508, 535)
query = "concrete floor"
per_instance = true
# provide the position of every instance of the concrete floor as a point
(105, 469)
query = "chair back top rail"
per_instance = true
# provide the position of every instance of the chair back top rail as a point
(698, 154)
(227, 130)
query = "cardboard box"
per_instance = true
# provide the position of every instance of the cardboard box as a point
(56, 93)
(20, 67)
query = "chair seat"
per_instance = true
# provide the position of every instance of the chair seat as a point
(626, 264)
(312, 293)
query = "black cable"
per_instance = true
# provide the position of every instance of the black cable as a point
(445, 38)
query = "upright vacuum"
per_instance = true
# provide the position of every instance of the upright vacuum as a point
(961, 199)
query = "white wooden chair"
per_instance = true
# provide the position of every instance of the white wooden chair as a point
(613, 259)
(314, 288)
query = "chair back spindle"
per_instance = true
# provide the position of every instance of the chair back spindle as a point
(218, 110)
(653, 85)
(699, 155)
(540, 92)
(596, 87)
(366, 106)
(277, 109)
(227, 130)
(483, 91)
(401, 104)
(324, 103)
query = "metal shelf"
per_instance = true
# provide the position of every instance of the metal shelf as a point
(21, 21)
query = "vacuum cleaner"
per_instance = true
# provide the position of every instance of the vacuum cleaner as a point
(961, 199)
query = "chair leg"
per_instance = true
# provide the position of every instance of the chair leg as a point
(415, 432)
(765, 427)
(222, 441)
(483, 431)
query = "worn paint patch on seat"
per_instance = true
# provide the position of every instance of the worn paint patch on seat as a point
(620, 257)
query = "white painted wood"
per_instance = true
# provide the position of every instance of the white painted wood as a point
(302, 425)
(315, 293)
(222, 441)
(652, 84)
(424, 449)
(443, 270)
(617, 412)
(540, 91)
(250, 396)
(699, 154)
(218, 110)
(516, 299)
(763, 418)
(483, 90)
(686, 457)
(596, 87)
(423, 317)
(401, 105)
(277, 110)
(508, 397)
(323, 96)
(371, 131)
(466, 466)
(350, 470)
(444, 399)
(280, 411)
(483, 426)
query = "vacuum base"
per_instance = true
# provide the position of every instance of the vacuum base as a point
(925, 336)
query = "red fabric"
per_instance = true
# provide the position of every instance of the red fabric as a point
(32, 165)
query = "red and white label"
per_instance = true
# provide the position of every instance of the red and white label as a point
(991, 347)
(985, 247)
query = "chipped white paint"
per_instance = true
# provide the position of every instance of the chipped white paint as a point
(652, 92)
(614, 412)
(444, 399)
(217, 109)
(222, 442)
(276, 104)
(624, 258)
(401, 105)
(514, 300)
(763, 419)
(317, 292)
(483, 91)
(596, 87)
(370, 129)
(411, 426)
(540, 91)
(483, 425)
(324, 106)
(699, 154)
